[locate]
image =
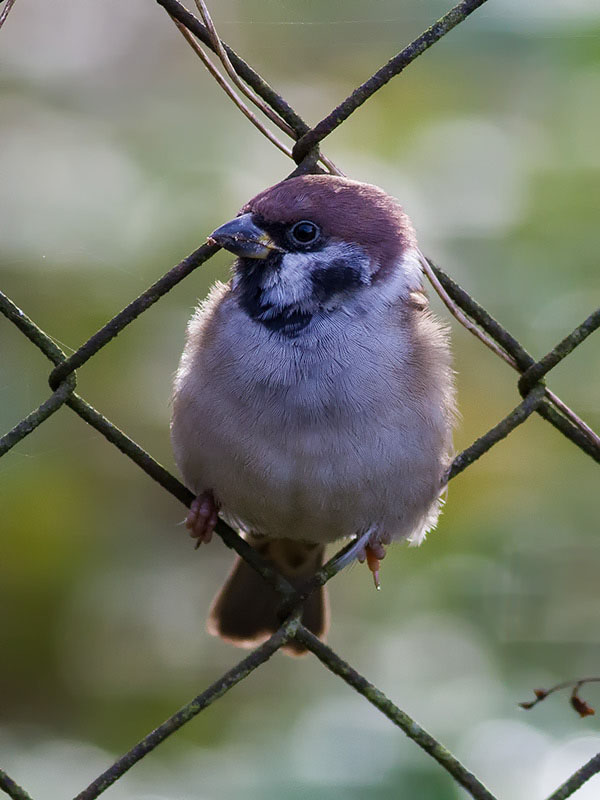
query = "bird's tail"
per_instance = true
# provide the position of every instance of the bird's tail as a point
(244, 612)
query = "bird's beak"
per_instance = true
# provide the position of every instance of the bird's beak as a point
(243, 237)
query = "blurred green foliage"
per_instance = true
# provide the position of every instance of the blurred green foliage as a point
(118, 156)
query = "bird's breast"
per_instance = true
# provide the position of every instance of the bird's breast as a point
(303, 438)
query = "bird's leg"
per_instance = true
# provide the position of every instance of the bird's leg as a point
(202, 518)
(374, 554)
(367, 547)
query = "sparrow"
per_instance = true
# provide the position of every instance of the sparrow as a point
(314, 399)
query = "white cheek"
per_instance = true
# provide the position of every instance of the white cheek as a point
(411, 267)
(407, 277)
(292, 283)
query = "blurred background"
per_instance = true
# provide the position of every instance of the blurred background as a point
(118, 154)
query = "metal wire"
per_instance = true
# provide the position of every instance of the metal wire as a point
(536, 397)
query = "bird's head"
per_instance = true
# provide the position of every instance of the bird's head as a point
(315, 245)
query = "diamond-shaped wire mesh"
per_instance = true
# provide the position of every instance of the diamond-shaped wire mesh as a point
(531, 385)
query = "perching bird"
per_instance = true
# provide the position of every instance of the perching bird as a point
(314, 399)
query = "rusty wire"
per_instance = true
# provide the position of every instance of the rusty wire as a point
(6, 11)
(536, 397)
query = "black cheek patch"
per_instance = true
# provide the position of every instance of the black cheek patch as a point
(251, 273)
(250, 287)
(339, 276)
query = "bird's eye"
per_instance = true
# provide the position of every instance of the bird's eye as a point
(305, 232)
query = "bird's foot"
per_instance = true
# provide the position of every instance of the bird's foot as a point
(369, 547)
(202, 518)
(373, 554)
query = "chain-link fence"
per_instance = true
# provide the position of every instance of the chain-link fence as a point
(537, 397)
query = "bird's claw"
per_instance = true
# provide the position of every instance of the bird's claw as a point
(202, 518)
(373, 553)
(367, 547)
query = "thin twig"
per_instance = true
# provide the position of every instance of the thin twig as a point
(284, 114)
(6, 11)
(222, 53)
(542, 694)
(244, 70)
(506, 346)
(229, 91)
(458, 314)
(575, 419)
(224, 58)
